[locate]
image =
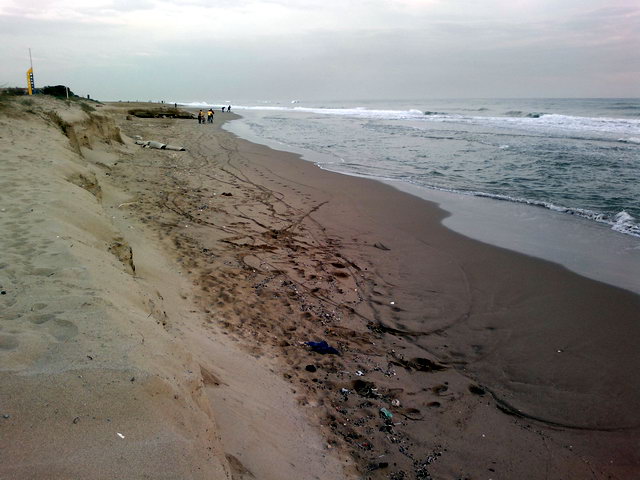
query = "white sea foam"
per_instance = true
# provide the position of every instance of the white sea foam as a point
(198, 104)
(625, 223)
(551, 122)
(360, 112)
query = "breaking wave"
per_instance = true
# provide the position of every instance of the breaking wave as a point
(514, 118)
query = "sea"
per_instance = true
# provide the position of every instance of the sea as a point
(554, 178)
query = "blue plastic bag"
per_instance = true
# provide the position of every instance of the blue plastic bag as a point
(322, 347)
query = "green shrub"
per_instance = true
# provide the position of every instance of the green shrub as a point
(13, 91)
(57, 91)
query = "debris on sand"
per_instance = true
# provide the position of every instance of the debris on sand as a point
(158, 145)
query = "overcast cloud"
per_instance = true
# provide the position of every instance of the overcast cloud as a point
(284, 49)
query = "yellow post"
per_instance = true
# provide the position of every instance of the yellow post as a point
(30, 84)
(30, 81)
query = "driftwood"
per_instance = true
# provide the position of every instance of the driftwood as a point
(160, 113)
(158, 145)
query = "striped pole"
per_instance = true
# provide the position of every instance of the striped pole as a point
(30, 83)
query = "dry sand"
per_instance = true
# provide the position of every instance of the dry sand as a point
(492, 364)
(107, 372)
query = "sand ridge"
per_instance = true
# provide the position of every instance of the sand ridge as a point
(82, 392)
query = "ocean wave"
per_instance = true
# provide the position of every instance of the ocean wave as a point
(360, 112)
(530, 121)
(198, 104)
(625, 106)
(519, 113)
(622, 222)
(600, 124)
(625, 223)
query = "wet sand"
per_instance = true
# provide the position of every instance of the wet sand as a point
(457, 359)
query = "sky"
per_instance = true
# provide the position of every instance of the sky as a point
(244, 50)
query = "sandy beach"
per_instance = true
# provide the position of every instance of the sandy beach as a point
(156, 307)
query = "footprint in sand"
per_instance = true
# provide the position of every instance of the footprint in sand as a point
(8, 342)
(40, 319)
(60, 329)
(63, 330)
(42, 272)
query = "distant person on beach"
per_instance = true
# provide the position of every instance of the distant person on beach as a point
(223, 109)
(200, 116)
(210, 115)
(229, 108)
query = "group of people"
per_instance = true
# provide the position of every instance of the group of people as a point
(208, 116)
(205, 117)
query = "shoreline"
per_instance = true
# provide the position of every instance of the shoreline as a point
(585, 247)
(527, 229)
(456, 358)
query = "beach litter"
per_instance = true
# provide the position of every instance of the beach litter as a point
(365, 389)
(322, 347)
(120, 435)
(386, 414)
(377, 466)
